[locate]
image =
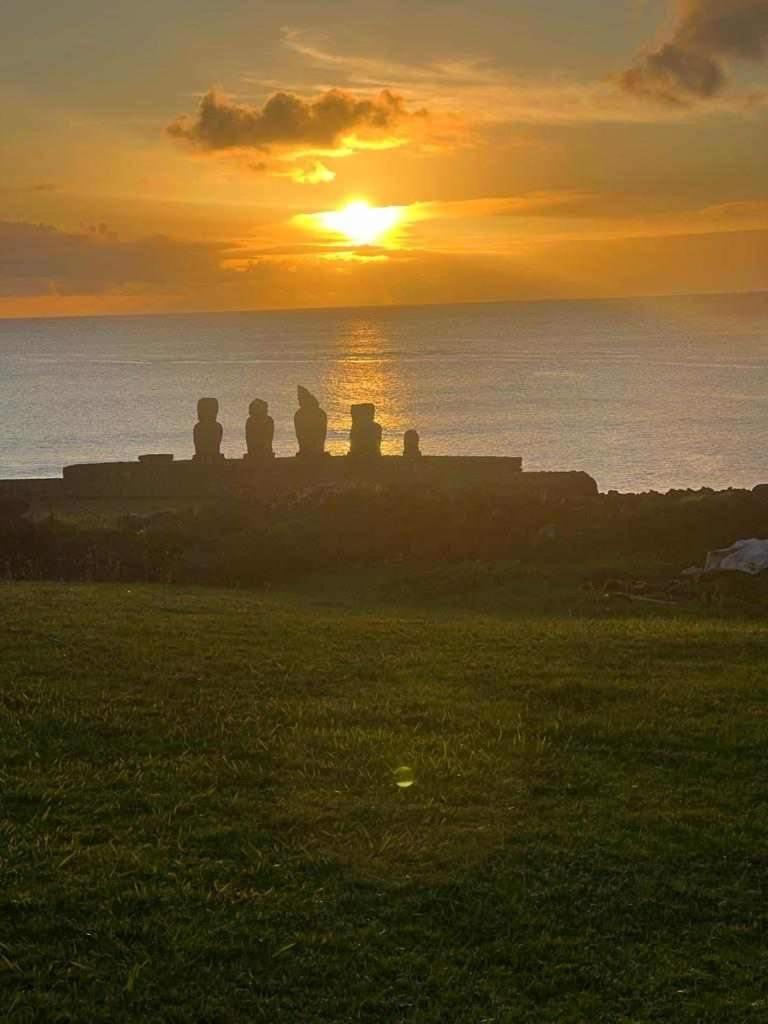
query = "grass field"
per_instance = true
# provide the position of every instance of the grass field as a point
(200, 820)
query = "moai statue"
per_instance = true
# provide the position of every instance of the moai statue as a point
(208, 432)
(311, 424)
(259, 431)
(411, 448)
(365, 435)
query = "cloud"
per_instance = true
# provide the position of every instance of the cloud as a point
(674, 74)
(36, 259)
(44, 271)
(543, 216)
(317, 174)
(287, 121)
(692, 64)
(538, 204)
(287, 128)
(373, 72)
(486, 94)
(737, 28)
(558, 269)
(753, 212)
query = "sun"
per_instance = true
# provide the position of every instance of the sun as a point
(362, 223)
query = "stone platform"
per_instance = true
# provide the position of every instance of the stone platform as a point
(189, 480)
(275, 477)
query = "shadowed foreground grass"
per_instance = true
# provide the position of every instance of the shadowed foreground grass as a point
(200, 820)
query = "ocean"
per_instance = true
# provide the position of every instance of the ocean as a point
(641, 393)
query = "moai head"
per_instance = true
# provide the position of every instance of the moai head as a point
(258, 409)
(306, 399)
(362, 413)
(207, 410)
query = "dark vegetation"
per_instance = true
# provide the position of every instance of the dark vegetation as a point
(250, 543)
(200, 821)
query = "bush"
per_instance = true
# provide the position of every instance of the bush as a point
(237, 541)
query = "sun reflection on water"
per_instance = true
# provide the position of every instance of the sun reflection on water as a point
(365, 370)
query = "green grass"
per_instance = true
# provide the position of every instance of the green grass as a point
(199, 820)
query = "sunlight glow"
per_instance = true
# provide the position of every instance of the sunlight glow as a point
(361, 223)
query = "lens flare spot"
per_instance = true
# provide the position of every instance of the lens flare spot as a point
(404, 776)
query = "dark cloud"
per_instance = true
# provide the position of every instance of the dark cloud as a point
(737, 28)
(674, 74)
(692, 64)
(36, 259)
(288, 120)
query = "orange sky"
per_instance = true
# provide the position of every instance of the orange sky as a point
(173, 156)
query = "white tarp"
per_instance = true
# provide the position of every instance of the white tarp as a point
(743, 556)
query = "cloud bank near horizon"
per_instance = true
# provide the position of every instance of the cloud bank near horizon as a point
(51, 271)
(41, 260)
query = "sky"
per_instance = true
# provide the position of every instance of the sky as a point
(166, 156)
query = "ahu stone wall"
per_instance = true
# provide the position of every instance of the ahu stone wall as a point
(165, 478)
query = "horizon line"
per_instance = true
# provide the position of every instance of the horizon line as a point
(643, 296)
